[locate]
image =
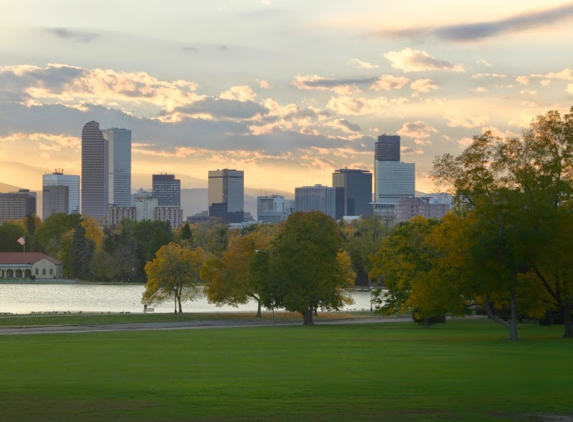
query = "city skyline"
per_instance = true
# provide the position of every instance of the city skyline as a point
(305, 91)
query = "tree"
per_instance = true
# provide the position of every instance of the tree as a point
(229, 277)
(361, 240)
(9, 235)
(407, 262)
(497, 207)
(52, 230)
(82, 250)
(174, 273)
(308, 270)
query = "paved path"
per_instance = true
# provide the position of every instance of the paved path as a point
(231, 323)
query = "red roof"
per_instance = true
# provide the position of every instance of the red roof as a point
(20, 258)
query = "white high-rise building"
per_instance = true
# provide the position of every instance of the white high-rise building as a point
(119, 141)
(58, 178)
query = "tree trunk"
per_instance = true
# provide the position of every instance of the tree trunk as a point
(307, 316)
(567, 322)
(510, 325)
(513, 322)
(179, 301)
(259, 309)
(426, 322)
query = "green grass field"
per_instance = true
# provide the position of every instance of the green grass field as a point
(460, 371)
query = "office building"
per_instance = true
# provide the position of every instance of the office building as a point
(119, 163)
(55, 199)
(393, 179)
(387, 148)
(95, 172)
(357, 191)
(226, 195)
(17, 205)
(329, 200)
(115, 215)
(58, 178)
(273, 208)
(171, 214)
(167, 189)
(406, 208)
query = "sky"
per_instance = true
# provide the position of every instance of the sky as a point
(287, 91)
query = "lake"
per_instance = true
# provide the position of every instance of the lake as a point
(28, 298)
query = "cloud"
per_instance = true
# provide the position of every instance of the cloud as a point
(357, 106)
(190, 49)
(75, 36)
(528, 92)
(417, 129)
(545, 82)
(263, 84)
(389, 82)
(484, 62)
(74, 86)
(359, 64)
(458, 120)
(320, 83)
(410, 60)
(465, 142)
(423, 85)
(477, 31)
(569, 89)
(239, 93)
(488, 75)
(411, 151)
(565, 74)
(344, 125)
(479, 90)
(523, 80)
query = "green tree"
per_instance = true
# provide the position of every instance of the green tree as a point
(174, 273)
(307, 267)
(407, 262)
(52, 230)
(82, 250)
(9, 235)
(501, 239)
(229, 277)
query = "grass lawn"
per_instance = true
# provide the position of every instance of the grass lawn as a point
(462, 371)
(105, 318)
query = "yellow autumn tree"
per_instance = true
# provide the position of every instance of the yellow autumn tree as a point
(174, 275)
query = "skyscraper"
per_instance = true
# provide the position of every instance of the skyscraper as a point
(327, 199)
(55, 199)
(95, 172)
(387, 148)
(58, 178)
(357, 185)
(394, 179)
(227, 195)
(119, 144)
(167, 189)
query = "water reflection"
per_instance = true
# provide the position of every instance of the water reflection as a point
(27, 298)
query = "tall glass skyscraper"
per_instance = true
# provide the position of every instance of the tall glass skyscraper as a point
(95, 172)
(227, 195)
(119, 141)
(167, 189)
(357, 186)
